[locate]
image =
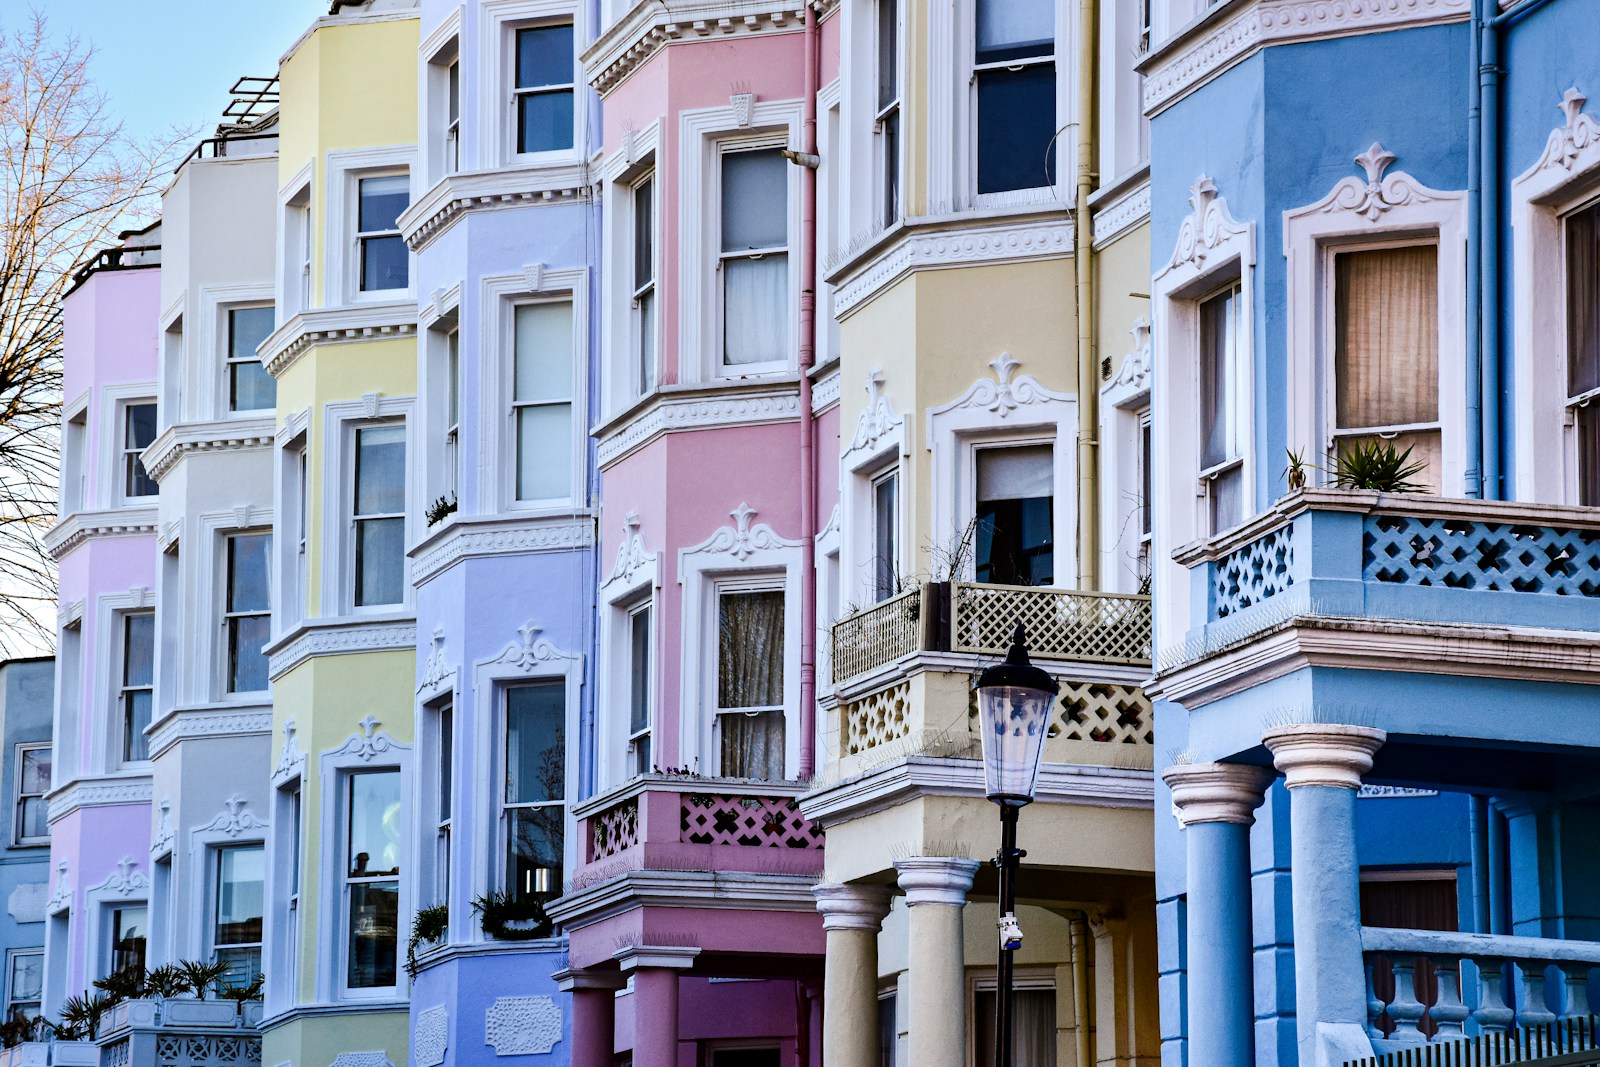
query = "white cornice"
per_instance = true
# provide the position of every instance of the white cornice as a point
(101, 792)
(499, 535)
(339, 325)
(914, 777)
(651, 26)
(217, 435)
(337, 637)
(457, 194)
(1195, 57)
(81, 526)
(1122, 214)
(611, 891)
(1300, 20)
(211, 721)
(1019, 242)
(825, 393)
(733, 405)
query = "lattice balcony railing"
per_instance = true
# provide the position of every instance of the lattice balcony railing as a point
(1061, 623)
(745, 820)
(881, 634)
(1461, 554)
(1105, 712)
(876, 719)
(614, 830)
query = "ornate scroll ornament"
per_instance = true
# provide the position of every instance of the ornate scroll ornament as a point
(62, 897)
(435, 670)
(1209, 226)
(368, 743)
(431, 1037)
(522, 1026)
(161, 842)
(1003, 394)
(1134, 375)
(233, 820)
(1378, 195)
(1570, 140)
(290, 758)
(877, 419)
(741, 541)
(529, 649)
(632, 557)
(125, 881)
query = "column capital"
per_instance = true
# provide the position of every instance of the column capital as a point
(935, 879)
(1315, 753)
(570, 981)
(672, 957)
(1216, 792)
(851, 906)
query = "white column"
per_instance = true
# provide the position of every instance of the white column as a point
(852, 915)
(936, 891)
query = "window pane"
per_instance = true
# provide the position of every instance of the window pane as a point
(752, 745)
(374, 934)
(535, 750)
(544, 56)
(141, 425)
(543, 346)
(1588, 431)
(455, 377)
(1227, 499)
(251, 388)
(27, 977)
(128, 931)
(381, 470)
(135, 719)
(750, 649)
(533, 852)
(639, 666)
(447, 758)
(544, 452)
(1015, 515)
(138, 648)
(453, 77)
(1219, 430)
(755, 200)
(1033, 1027)
(888, 52)
(1425, 449)
(380, 561)
(1015, 29)
(36, 770)
(1583, 301)
(382, 201)
(374, 841)
(35, 818)
(883, 518)
(241, 888)
(248, 588)
(544, 121)
(647, 341)
(1386, 349)
(755, 309)
(888, 1032)
(247, 663)
(247, 328)
(1016, 128)
(644, 267)
(1016, 473)
(384, 264)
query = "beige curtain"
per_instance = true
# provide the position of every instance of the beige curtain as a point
(1387, 343)
(750, 651)
(1583, 301)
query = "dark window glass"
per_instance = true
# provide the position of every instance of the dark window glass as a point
(139, 430)
(385, 262)
(544, 91)
(639, 690)
(129, 929)
(248, 611)
(250, 387)
(884, 555)
(373, 862)
(1583, 301)
(1033, 1033)
(380, 515)
(1015, 516)
(1016, 128)
(138, 673)
(535, 789)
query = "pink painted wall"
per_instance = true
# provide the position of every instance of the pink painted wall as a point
(92, 842)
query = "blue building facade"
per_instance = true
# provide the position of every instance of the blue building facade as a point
(27, 696)
(1373, 227)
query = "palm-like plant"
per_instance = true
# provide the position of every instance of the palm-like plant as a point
(126, 984)
(1376, 465)
(202, 976)
(239, 994)
(165, 981)
(80, 1015)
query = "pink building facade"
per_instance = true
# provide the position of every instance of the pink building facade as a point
(105, 545)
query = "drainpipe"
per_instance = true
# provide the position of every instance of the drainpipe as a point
(1489, 246)
(1474, 386)
(1080, 989)
(808, 430)
(1083, 269)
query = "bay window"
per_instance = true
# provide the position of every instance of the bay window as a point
(541, 401)
(444, 724)
(887, 117)
(533, 807)
(452, 431)
(750, 667)
(384, 259)
(372, 878)
(129, 930)
(1015, 512)
(544, 90)
(644, 283)
(754, 259)
(138, 674)
(1014, 77)
(639, 690)
(1222, 410)
(1583, 347)
(33, 782)
(247, 611)
(1386, 353)
(237, 911)
(25, 986)
(250, 387)
(885, 527)
(138, 431)
(378, 514)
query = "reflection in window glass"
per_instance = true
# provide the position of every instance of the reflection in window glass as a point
(544, 92)
(239, 906)
(250, 387)
(138, 431)
(372, 865)
(25, 986)
(248, 611)
(534, 805)
(138, 675)
(33, 782)
(379, 515)
(384, 259)
(129, 931)
(1016, 515)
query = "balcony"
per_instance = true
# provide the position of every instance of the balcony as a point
(51, 1054)
(180, 1032)
(903, 672)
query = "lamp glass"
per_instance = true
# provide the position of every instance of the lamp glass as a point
(1014, 720)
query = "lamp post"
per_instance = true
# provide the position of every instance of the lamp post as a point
(1014, 702)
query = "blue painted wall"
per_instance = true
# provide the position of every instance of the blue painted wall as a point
(27, 695)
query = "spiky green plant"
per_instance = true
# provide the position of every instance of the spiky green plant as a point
(1376, 465)
(126, 984)
(81, 1014)
(202, 976)
(166, 981)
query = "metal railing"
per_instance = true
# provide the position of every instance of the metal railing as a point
(1570, 1043)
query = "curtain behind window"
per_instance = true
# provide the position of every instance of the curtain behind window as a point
(1583, 301)
(750, 651)
(1387, 344)
(1033, 1031)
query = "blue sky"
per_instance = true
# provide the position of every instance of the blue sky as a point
(164, 63)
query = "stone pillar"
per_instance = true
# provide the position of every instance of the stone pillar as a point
(936, 891)
(852, 915)
(1215, 805)
(594, 1015)
(1322, 766)
(655, 1009)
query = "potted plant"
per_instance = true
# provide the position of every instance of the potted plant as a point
(508, 918)
(245, 998)
(428, 929)
(1376, 466)
(200, 977)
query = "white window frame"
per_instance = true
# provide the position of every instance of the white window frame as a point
(1386, 210)
(1565, 179)
(645, 384)
(295, 293)
(103, 752)
(18, 796)
(1126, 554)
(882, 441)
(501, 874)
(958, 429)
(498, 21)
(340, 422)
(889, 214)
(211, 375)
(1571, 458)
(205, 851)
(11, 998)
(705, 134)
(291, 474)
(120, 688)
(285, 868)
(441, 52)
(725, 147)
(1243, 410)
(341, 265)
(75, 456)
(226, 361)
(496, 365)
(115, 401)
(438, 848)
(442, 468)
(763, 560)
(1213, 249)
(622, 172)
(223, 540)
(634, 583)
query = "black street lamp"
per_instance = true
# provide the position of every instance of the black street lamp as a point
(1014, 702)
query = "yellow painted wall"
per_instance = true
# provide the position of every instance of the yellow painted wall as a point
(315, 1042)
(1122, 269)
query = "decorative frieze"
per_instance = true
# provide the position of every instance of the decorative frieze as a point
(99, 793)
(1199, 60)
(1122, 214)
(340, 638)
(460, 194)
(1283, 21)
(218, 435)
(499, 536)
(81, 526)
(651, 27)
(185, 724)
(331, 326)
(672, 414)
